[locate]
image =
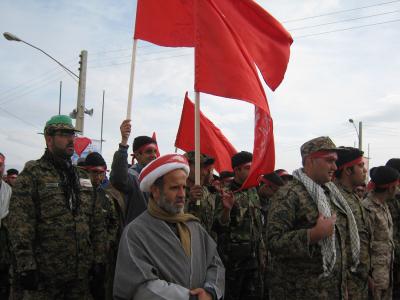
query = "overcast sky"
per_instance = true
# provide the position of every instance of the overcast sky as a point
(348, 68)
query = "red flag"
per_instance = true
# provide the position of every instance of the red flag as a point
(80, 144)
(266, 40)
(223, 65)
(213, 142)
(264, 148)
(154, 137)
(165, 23)
(171, 23)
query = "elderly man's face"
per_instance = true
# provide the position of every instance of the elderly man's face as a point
(171, 197)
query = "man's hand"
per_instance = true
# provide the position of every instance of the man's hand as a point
(323, 228)
(228, 200)
(125, 129)
(201, 294)
(195, 193)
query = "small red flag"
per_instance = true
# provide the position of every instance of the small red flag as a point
(80, 144)
(166, 23)
(264, 148)
(154, 137)
(223, 65)
(212, 140)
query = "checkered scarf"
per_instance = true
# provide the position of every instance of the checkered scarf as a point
(328, 249)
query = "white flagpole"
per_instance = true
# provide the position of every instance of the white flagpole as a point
(130, 94)
(197, 140)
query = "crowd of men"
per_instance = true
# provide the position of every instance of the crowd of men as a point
(150, 232)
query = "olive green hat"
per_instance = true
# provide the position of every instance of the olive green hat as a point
(59, 122)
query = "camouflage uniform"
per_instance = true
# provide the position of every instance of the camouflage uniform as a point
(205, 211)
(242, 246)
(382, 246)
(5, 262)
(57, 238)
(297, 264)
(114, 207)
(394, 208)
(357, 282)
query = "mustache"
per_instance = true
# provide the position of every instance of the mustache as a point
(70, 145)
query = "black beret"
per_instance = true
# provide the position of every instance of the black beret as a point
(12, 172)
(140, 141)
(394, 163)
(241, 158)
(347, 154)
(274, 178)
(383, 175)
(226, 174)
(95, 159)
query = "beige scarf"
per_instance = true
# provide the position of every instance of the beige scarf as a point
(179, 219)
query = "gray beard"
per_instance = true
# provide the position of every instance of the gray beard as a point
(168, 207)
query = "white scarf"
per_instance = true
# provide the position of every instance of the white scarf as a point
(5, 195)
(327, 244)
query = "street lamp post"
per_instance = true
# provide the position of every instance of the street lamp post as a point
(359, 132)
(80, 110)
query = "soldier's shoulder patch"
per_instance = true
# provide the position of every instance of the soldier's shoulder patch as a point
(85, 182)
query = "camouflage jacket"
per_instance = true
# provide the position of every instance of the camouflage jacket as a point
(297, 263)
(358, 281)
(45, 234)
(205, 211)
(394, 208)
(382, 244)
(242, 237)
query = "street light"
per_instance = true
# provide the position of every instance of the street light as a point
(80, 107)
(359, 132)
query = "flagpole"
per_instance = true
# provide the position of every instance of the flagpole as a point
(197, 140)
(133, 64)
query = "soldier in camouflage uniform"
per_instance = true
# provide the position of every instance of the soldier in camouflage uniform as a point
(308, 225)
(56, 230)
(113, 205)
(200, 200)
(394, 208)
(241, 241)
(384, 184)
(351, 173)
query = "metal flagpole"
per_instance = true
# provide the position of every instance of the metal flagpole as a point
(197, 140)
(102, 120)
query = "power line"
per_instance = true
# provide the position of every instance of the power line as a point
(345, 29)
(18, 118)
(339, 11)
(345, 20)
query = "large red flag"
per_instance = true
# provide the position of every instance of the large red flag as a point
(266, 40)
(165, 22)
(213, 142)
(223, 65)
(171, 23)
(264, 148)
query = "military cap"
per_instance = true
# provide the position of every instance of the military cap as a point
(273, 178)
(241, 158)
(12, 172)
(322, 143)
(383, 176)
(348, 156)
(141, 141)
(205, 160)
(95, 159)
(394, 163)
(226, 174)
(59, 122)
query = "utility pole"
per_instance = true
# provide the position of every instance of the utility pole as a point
(360, 135)
(80, 105)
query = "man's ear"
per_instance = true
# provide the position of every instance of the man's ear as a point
(348, 171)
(155, 192)
(49, 140)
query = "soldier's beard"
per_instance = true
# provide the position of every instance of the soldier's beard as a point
(167, 206)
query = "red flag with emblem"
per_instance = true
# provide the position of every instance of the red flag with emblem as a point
(213, 141)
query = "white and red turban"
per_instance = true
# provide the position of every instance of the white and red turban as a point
(161, 166)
